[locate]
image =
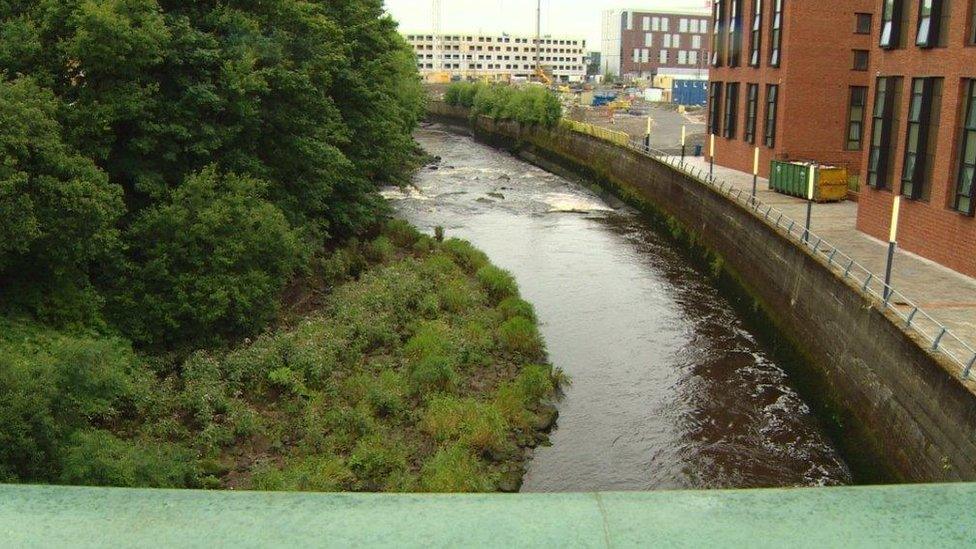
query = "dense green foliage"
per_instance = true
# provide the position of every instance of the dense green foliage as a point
(531, 105)
(390, 386)
(118, 115)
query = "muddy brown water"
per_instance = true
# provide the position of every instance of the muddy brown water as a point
(670, 387)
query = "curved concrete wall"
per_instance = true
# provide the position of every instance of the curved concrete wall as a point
(895, 404)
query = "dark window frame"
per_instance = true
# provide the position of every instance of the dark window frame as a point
(965, 202)
(776, 34)
(972, 23)
(860, 19)
(735, 33)
(891, 18)
(755, 43)
(923, 115)
(883, 120)
(715, 108)
(929, 29)
(772, 105)
(857, 105)
(731, 110)
(861, 55)
(752, 113)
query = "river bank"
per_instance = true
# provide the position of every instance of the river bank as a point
(672, 388)
(892, 405)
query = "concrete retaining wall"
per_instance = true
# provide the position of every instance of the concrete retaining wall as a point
(894, 405)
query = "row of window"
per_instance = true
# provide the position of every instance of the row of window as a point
(499, 66)
(672, 41)
(933, 25)
(685, 57)
(501, 40)
(921, 132)
(727, 126)
(663, 23)
(727, 32)
(527, 49)
(471, 57)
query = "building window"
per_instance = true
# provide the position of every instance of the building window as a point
(752, 108)
(755, 44)
(965, 184)
(855, 118)
(882, 128)
(718, 47)
(772, 100)
(714, 104)
(923, 119)
(776, 33)
(731, 109)
(735, 33)
(891, 23)
(861, 60)
(649, 39)
(929, 23)
(863, 23)
(972, 24)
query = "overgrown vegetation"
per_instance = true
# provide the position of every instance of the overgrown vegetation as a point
(198, 287)
(531, 105)
(423, 374)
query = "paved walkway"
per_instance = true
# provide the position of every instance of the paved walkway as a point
(946, 295)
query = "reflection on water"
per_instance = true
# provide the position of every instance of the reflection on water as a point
(670, 389)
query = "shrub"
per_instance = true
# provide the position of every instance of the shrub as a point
(401, 233)
(478, 425)
(529, 105)
(497, 283)
(380, 249)
(99, 458)
(458, 296)
(433, 373)
(465, 255)
(512, 307)
(383, 393)
(519, 335)
(456, 469)
(208, 264)
(374, 459)
(316, 473)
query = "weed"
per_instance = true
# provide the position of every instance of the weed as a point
(518, 335)
(511, 307)
(456, 469)
(498, 283)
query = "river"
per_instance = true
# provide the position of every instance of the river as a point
(671, 389)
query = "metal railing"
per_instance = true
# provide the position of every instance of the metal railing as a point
(618, 138)
(933, 335)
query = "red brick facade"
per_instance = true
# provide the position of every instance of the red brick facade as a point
(677, 41)
(930, 225)
(814, 78)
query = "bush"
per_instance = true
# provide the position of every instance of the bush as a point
(498, 283)
(529, 105)
(316, 473)
(458, 296)
(456, 469)
(465, 255)
(519, 335)
(99, 458)
(402, 233)
(379, 250)
(479, 426)
(207, 265)
(374, 459)
(512, 307)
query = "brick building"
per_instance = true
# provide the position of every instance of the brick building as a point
(645, 43)
(921, 141)
(789, 77)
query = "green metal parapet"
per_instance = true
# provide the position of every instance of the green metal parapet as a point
(919, 515)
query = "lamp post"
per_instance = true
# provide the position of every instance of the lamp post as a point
(683, 135)
(755, 173)
(647, 136)
(711, 156)
(812, 181)
(892, 245)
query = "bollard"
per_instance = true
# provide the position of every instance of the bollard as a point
(813, 175)
(892, 245)
(755, 172)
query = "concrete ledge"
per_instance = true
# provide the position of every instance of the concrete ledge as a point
(894, 407)
(931, 516)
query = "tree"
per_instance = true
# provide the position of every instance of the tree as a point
(208, 264)
(57, 210)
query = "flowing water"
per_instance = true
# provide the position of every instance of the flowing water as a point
(670, 388)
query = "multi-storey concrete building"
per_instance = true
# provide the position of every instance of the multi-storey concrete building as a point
(921, 142)
(640, 43)
(791, 78)
(501, 57)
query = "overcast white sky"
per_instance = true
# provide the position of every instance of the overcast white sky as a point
(574, 18)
